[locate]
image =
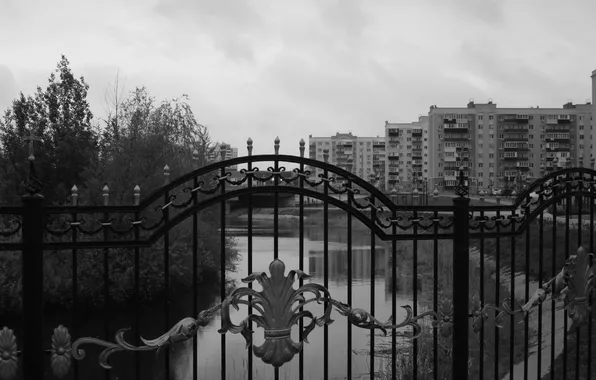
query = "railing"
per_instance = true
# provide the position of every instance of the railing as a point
(466, 280)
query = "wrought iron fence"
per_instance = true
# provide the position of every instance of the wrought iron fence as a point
(475, 257)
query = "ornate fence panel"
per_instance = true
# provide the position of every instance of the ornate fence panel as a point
(461, 252)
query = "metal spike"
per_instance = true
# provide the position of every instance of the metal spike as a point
(74, 195)
(302, 147)
(276, 145)
(137, 194)
(106, 195)
(249, 146)
(166, 173)
(223, 147)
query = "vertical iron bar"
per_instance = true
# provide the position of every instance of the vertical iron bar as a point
(106, 288)
(250, 270)
(527, 297)
(461, 286)
(393, 297)
(553, 300)
(301, 266)
(567, 220)
(137, 280)
(276, 227)
(222, 265)
(512, 301)
(166, 253)
(415, 293)
(349, 351)
(497, 295)
(435, 293)
(591, 263)
(481, 361)
(32, 284)
(326, 272)
(195, 277)
(540, 276)
(579, 200)
(373, 263)
(75, 265)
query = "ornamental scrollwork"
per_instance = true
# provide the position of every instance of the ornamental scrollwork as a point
(572, 285)
(280, 307)
(184, 330)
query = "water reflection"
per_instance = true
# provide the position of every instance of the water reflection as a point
(209, 363)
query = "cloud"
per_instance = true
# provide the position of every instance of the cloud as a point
(290, 69)
(231, 28)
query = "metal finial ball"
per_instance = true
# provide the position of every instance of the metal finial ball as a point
(249, 142)
(302, 142)
(276, 140)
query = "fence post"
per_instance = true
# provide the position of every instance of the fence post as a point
(461, 280)
(32, 281)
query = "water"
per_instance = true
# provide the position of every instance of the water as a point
(209, 363)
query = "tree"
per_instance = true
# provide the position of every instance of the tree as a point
(61, 117)
(140, 138)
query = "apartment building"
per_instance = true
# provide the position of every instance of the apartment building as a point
(407, 154)
(506, 147)
(362, 156)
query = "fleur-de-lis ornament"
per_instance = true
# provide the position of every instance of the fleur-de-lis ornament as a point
(278, 305)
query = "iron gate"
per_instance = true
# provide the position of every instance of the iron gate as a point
(470, 309)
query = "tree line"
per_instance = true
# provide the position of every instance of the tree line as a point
(129, 147)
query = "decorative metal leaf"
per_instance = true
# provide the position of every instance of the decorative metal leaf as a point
(61, 352)
(8, 354)
(277, 317)
(579, 285)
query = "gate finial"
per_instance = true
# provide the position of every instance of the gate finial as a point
(249, 146)
(32, 184)
(276, 145)
(106, 195)
(166, 174)
(461, 187)
(301, 147)
(326, 155)
(223, 148)
(74, 195)
(137, 193)
(195, 158)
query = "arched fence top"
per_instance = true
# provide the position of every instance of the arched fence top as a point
(275, 171)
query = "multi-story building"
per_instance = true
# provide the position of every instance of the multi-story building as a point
(407, 153)
(503, 147)
(362, 156)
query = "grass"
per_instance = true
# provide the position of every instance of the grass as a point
(424, 361)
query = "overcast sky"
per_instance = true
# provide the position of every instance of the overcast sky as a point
(262, 69)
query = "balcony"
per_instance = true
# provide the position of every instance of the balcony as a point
(455, 129)
(520, 119)
(463, 137)
(514, 129)
(515, 138)
(393, 158)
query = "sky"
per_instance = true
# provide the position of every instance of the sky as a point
(291, 69)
